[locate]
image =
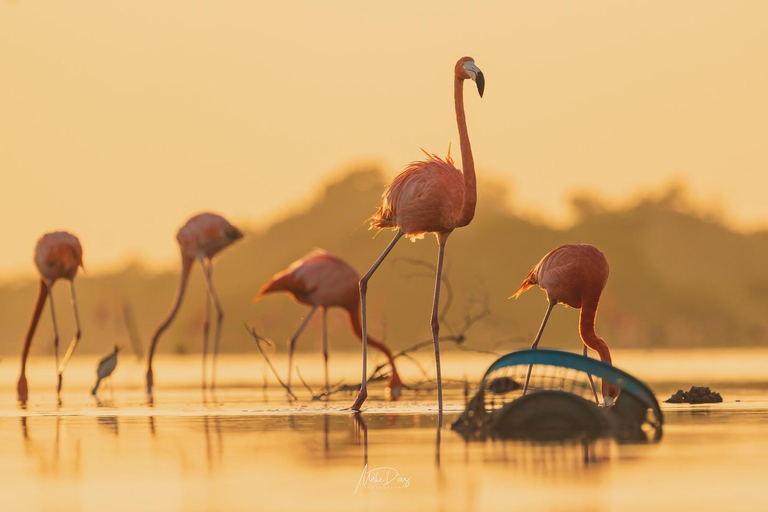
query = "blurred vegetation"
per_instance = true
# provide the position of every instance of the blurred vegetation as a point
(679, 278)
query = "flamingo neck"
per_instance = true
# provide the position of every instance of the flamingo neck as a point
(467, 161)
(186, 267)
(354, 321)
(587, 330)
(42, 294)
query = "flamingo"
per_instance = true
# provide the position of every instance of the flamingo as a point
(57, 256)
(429, 196)
(574, 275)
(322, 280)
(201, 238)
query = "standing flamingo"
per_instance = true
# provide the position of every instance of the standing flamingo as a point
(57, 256)
(201, 238)
(430, 196)
(323, 280)
(574, 275)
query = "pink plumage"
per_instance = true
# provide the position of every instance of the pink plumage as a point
(426, 197)
(318, 279)
(58, 255)
(205, 235)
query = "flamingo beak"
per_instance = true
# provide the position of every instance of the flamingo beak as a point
(480, 81)
(473, 72)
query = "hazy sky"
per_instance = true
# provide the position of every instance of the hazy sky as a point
(120, 119)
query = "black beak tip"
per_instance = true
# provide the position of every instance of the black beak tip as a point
(480, 79)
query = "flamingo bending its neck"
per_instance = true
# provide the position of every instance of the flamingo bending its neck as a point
(201, 238)
(322, 280)
(57, 256)
(574, 275)
(429, 196)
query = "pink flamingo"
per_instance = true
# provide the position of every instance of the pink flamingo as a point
(57, 256)
(321, 280)
(574, 275)
(430, 196)
(201, 238)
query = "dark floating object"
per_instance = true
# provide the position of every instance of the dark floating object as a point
(559, 404)
(697, 395)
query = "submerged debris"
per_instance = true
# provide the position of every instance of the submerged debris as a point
(503, 385)
(558, 404)
(696, 395)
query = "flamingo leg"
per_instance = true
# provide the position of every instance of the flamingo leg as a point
(186, 266)
(436, 325)
(219, 318)
(206, 321)
(292, 345)
(21, 387)
(536, 343)
(325, 351)
(55, 329)
(75, 338)
(591, 382)
(363, 394)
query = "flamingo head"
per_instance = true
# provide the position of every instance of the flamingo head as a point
(395, 386)
(610, 392)
(466, 69)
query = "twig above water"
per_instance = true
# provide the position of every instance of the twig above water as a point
(259, 340)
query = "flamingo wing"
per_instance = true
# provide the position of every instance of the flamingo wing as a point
(319, 278)
(425, 197)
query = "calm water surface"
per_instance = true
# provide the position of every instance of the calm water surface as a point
(249, 449)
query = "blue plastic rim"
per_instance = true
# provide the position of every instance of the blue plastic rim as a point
(620, 378)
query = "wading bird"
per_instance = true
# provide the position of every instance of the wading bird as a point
(429, 196)
(321, 280)
(104, 369)
(201, 238)
(574, 275)
(57, 256)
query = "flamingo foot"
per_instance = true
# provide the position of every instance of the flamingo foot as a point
(361, 396)
(150, 381)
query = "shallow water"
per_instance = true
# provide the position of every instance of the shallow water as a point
(249, 449)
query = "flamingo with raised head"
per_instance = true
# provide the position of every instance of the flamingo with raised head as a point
(201, 238)
(574, 275)
(429, 196)
(322, 280)
(57, 256)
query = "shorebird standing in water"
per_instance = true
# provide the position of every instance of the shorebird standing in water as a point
(104, 369)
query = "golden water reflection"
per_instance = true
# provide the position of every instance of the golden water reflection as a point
(377, 460)
(244, 448)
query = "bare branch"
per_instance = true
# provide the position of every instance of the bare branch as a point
(259, 339)
(304, 382)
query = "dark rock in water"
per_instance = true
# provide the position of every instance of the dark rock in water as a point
(677, 398)
(696, 395)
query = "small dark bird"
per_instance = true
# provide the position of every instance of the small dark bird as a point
(105, 368)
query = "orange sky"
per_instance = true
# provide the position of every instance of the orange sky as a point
(120, 119)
